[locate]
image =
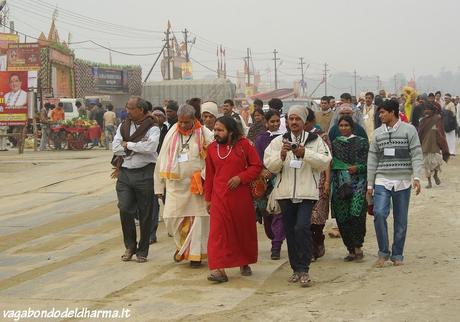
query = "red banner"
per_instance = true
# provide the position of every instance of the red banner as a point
(23, 57)
(13, 98)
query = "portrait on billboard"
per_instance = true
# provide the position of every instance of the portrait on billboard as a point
(16, 97)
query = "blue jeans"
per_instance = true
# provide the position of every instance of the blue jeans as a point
(297, 222)
(400, 199)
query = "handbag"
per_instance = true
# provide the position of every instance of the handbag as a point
(345, 191)
(258, 186)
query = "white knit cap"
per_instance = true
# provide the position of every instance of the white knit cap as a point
(300, 111)
(210, 107)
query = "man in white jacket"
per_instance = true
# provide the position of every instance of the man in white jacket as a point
(297, 157)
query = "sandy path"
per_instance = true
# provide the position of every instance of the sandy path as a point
(60, 243)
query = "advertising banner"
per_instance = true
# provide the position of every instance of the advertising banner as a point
(24, 57)
(187, 73)
(5, 40)
(13, 98)
(110, 80)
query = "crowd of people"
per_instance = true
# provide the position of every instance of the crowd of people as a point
(218, 172)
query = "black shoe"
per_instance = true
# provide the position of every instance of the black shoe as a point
(152, 241)
(275, 254)
(195, 264)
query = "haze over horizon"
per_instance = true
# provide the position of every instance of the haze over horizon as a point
(381, 38)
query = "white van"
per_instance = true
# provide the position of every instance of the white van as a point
(70, 109)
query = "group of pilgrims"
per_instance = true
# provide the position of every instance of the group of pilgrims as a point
(219, 172)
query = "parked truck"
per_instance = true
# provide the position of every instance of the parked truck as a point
(217, 90)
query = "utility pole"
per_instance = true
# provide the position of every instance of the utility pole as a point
(247, 59)
(275, 59)
(110, 55)
(187, 58)
(396, 84)
(378, 83)
(168, 51)
(354, 75)
(303, 75)
(325, 79)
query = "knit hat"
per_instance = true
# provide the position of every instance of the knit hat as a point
(298, 110)
(210, 107)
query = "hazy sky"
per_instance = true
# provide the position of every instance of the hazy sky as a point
(374, 37)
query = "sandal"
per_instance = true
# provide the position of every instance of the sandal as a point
(304, 280)
(245, 270)
(195, 264)
(349, 258)
(141, 259)
(217, 276)
(126, 257)
(294, 278)
(359, 255)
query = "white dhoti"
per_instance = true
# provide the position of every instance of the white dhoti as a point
(191, 237)
(432, 162)
(451, 141)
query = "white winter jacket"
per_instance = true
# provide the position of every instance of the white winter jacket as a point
(302, 183)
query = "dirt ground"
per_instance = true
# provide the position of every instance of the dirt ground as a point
(60, 244)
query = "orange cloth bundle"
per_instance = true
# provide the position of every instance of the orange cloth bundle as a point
(196, 184)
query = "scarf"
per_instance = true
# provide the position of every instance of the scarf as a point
(169, 165)
(142, 127)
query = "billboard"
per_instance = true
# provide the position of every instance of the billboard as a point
(5, 40)
(13, 98)
(187, 73)
(110, 80)
(23, 57)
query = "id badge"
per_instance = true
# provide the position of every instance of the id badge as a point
(296, 164)
(183, 157)
(389, 152)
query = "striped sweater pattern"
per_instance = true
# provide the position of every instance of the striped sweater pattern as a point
(395, 154)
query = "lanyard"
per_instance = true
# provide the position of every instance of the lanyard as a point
(185, 145)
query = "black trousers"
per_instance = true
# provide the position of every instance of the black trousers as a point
(297, 226)
(353, 231)
(134, 191)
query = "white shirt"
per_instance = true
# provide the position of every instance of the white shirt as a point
(389, 184)
(283, 127)
(144, 151)
(18, 99)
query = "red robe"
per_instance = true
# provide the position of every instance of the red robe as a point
(233, 234)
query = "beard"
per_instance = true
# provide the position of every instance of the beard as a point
(220, 140)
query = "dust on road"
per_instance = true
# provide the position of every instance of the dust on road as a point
(60, 243)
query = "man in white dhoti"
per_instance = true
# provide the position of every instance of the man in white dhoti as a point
(179, 168)
(451, 109)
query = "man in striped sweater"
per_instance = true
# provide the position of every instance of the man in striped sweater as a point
(395, 159)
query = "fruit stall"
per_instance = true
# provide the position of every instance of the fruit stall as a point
(77, 133)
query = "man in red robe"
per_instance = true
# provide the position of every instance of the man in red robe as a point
(231, 164)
